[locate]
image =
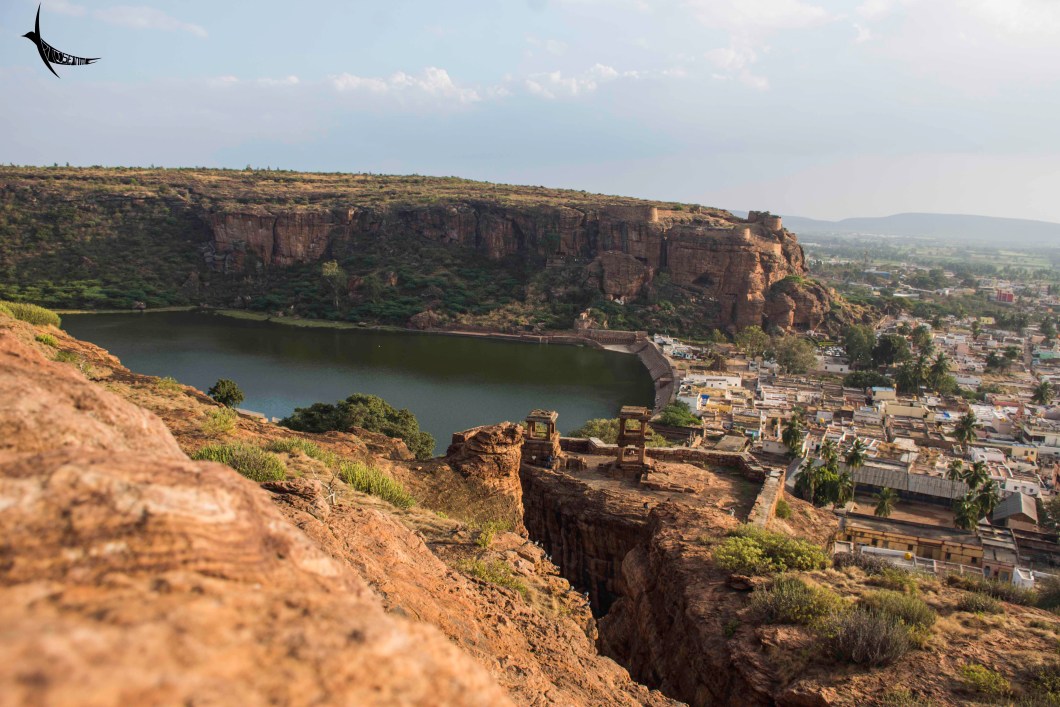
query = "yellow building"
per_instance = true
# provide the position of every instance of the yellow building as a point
(926, 541)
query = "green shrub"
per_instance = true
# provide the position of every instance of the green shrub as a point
(983, 680)
(219, 421)
(753, 550)
(1048, 593)
(907, 609)
(5, 310)
(169, 385)
(789, 600)
(979, 603)
(870, 564)
(1005, 591)
(366, 411)
(226, 392)
(368, 479)
(32, 314)
(868, 638)
(783, 509)
(47, 340)
(311, 450)
(67, 357)
(253, 463)
(1045, 683)
(896, 579)
(496, 572)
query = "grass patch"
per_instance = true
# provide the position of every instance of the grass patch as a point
(904, 608)
(218, 421)
(32, 314)
(895, 579)
(979, 603)
(783, 509)
(789, 600)
(254, 463)
(47, 340)
(495, 572)
(983, 680)
(868, 638)
(1005, 591)
(168, 385)
(311, 450)
(488, 530)
(67, 357)
(370, 480)
(752, 550)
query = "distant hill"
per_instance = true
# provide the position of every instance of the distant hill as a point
(953, 227)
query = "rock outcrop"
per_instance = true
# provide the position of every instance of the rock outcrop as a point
(131, 575)
(489, 457)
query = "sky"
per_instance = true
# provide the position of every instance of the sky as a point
(826, 109)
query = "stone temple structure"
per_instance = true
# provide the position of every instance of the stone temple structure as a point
(541, 446)
(632, 439)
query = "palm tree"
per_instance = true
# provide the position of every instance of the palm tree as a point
(965, 513)
(806, 483)
(964, 432)
(940, 368)
(885, 500)
(829, 453)
(844, 489)
(987, 498)
(977, 329)
(793, 434)
(855, 459)
(955, 471)
(976, 476)
(1043, 393)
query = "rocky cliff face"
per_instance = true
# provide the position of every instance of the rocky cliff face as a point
(729, 261)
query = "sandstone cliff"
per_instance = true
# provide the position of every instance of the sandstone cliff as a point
(416, 251)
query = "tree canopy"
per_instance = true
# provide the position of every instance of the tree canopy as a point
(368, 412)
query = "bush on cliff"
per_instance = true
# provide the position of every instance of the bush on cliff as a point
(251, 462)
(31, 313)
(368, 412)
(679, 415)
(368, 479)
(226, 392)
(790, 600)
(753, 550)
(867, 638)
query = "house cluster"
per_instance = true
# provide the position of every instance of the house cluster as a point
(930, 452)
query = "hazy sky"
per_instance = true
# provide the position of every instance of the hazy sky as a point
(811, 107)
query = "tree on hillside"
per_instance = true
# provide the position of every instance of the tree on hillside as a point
(795, 354)
(365, 411)
(922, 339)
(885, 501)
(752, 341)
(858, 340)
(977, 329)
(226, 392)
(678, 414)
(335, 277)
(889, 350)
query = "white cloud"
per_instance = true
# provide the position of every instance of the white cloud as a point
(222, 81)
(141, 17)
(554, 84)
(433, 82)
(64, 7)
(286, 81)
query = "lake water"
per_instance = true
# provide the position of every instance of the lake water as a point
(450, 383)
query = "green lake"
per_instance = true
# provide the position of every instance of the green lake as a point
(450, 383)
